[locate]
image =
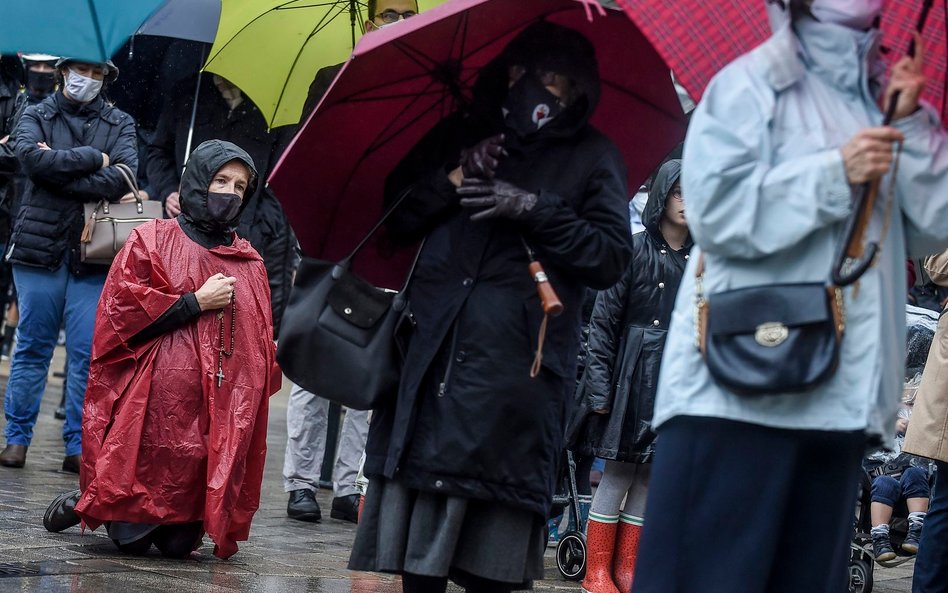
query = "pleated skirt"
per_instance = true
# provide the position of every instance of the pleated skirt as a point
(423, 533)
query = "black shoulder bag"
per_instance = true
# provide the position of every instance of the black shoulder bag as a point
(777, 338)
(342, 338)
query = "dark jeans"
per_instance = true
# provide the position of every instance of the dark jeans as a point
(931, 563)
(888, 490)
(734, 507)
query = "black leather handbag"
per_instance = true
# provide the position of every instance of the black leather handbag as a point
(778, 338)
(342, 338)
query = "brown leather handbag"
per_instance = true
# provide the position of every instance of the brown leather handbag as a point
(109, 224)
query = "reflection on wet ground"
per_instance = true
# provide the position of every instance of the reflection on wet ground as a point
(282, 556)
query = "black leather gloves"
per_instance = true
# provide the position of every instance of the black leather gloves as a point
(502, 199)
(481, 160)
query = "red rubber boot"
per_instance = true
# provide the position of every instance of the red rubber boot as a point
(627, 549)
(600, 549)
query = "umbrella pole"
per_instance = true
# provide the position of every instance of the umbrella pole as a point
(353, 11)
(194, 110)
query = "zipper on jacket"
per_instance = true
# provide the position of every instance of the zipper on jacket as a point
(443, 387)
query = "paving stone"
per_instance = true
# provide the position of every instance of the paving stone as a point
(282, 556)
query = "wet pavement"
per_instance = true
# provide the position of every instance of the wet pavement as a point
(282, 556)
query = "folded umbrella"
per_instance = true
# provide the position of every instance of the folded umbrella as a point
(84, 29)
(400, 82)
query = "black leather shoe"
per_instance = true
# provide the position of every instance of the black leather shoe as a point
(13, 456)
(71, 463)
(61, 513)
(303, 506)
(345, 508)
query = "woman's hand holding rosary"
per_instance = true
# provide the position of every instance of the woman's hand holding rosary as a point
(217, 293)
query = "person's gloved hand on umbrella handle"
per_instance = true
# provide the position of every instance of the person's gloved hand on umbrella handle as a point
(482, 159)
(502, 199)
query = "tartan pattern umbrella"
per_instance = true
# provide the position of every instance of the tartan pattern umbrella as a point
(697, 38)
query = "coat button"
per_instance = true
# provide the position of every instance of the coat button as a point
(462, 355)
(439, 484)
(661, 285)
(663, 252)
(686, 256)
(468, 281)
(656, 323)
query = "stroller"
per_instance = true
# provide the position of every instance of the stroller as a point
(571, 549)
(862, 559)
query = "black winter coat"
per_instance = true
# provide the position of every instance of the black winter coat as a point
(627, 336)
(468, 420)
(10, 101)
(50, 218)
(263, 222)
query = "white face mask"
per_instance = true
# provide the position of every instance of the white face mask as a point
(855, 14)
(82, 88)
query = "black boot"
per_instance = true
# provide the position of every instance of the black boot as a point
(61, 513)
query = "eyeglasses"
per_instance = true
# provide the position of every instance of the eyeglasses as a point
(392, 16)
(676, 193)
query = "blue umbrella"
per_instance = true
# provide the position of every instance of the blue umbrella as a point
(194, 20)
(85, 29)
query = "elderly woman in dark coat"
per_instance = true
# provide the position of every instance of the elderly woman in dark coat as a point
(462, 464)
(626, 339)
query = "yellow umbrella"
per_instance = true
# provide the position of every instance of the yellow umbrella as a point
(272, 49)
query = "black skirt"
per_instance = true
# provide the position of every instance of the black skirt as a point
(404, 530)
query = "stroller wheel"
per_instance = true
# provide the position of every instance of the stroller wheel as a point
(860, 576)
(571, 556)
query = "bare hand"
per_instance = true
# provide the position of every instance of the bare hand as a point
(173, 204)
(43, 146)
(4, 139)
(216, 292)
(130, 197)
(906, 79)
(105, 160)
(901, 425)
(868, 155)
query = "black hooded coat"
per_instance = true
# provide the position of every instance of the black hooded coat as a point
(263, 222)
(627, 336)
(468, 420)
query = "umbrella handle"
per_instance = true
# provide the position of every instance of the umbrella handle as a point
(552, 305)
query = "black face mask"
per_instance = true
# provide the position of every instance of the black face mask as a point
(40, 84)
(223, 208)
(529, 106)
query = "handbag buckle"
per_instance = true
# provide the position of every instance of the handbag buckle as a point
(771, 335)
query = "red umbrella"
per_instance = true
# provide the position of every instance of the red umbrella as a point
(697, 37)
(402, 81)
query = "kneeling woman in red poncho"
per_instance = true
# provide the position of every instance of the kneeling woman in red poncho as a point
(175, 415)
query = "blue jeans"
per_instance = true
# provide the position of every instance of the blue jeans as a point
(931, 563)
(889, 491)
(45, 300)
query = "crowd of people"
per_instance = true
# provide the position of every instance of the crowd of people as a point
(171, 355)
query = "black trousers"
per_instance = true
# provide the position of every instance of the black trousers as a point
(737, 507)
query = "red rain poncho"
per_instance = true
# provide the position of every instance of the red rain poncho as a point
(161, 443)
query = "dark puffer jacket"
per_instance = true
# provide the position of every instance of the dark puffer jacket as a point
(469, 421)
(627, 335)
(263, 222)
(50, 219)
